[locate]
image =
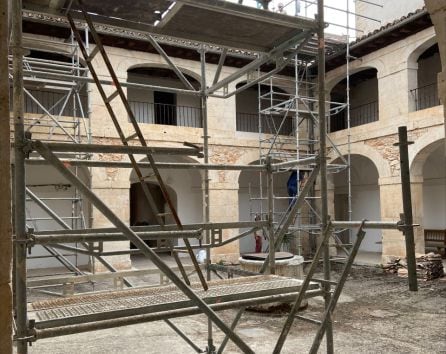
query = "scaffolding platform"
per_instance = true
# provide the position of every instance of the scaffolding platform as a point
(138, 301)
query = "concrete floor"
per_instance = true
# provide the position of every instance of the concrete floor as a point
(376, 314)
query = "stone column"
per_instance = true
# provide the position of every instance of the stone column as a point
(5, 190)
(416, 187)
(112, 186)
(223, 196)
(393, 101)
(331, 208)
(391, 207)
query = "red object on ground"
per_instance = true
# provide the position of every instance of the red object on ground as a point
(258, 239)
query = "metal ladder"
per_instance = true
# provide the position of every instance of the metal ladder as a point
(107, 99)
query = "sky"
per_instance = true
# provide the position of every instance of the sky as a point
(308, 9)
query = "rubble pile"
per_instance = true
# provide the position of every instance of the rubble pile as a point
(429, 266)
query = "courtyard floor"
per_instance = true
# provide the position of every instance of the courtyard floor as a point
(376, 314)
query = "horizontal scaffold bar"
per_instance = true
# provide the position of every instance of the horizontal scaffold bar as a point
(121, 149)
(203, 226)
(116, 236)
(159, 165)
(368, 224)
(290, 164)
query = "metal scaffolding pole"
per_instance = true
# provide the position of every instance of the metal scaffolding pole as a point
(205, 182)
(19, 182)
(5, 187)
(323, 166)
(407, 206)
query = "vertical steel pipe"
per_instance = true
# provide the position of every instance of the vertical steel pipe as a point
(323, 156)
(19, 176)
(270, 190)
(407, 208)
(205, 182)
(5, 187)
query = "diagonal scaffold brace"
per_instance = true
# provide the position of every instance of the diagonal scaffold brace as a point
(107, 99)
(48, 155)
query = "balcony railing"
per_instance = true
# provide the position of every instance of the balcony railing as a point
(55, 102)
(363, 114)
(249, 122)
(166, 114)
(425, 96)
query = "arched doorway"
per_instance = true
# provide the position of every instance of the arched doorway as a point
(253, 201)
(363, 100)
(425, 94)
(365, 199)
(248, 103)
(434, 192)
(160, 107)
(183, 186)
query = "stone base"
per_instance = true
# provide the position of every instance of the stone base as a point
(292, 268)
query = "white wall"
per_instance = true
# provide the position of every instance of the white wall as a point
(46, 182)
(365, 197)
(434, 190)
(246, 206)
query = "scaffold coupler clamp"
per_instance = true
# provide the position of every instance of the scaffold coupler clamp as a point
(402, 224)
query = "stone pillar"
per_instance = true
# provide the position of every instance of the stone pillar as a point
(5, 190)
(223, 198)
(331, 208)
(412, 80)
(416, 187)
(393, 101)
(391, 206)
(112, 187)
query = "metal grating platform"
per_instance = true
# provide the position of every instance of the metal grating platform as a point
(132, 302)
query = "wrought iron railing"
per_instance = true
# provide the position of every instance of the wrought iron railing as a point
(249, 122)
(363, 114)
(166, 114)
(425, 96)
(55, 102)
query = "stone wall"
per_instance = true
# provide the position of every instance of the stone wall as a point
(397, 69)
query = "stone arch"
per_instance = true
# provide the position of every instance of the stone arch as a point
(364, 99)
(421, 149)
(337, 78)
(428, 170)
(154, 105)
(415, 53)
(185, 71)
(369, 152)
(365, 198)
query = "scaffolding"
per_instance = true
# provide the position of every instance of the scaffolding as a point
(56, 110)
(286, 39)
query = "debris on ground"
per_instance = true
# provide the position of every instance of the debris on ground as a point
(429, 266)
